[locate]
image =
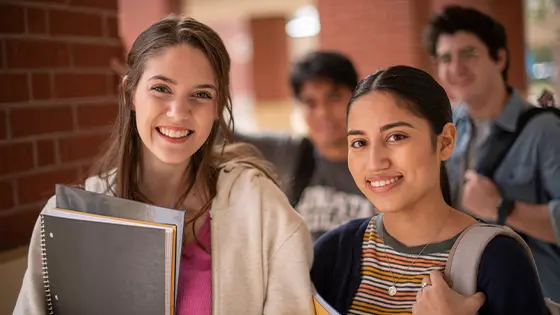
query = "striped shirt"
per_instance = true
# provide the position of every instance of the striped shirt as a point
(387, 262)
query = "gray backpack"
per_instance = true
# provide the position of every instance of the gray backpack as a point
(462, 265)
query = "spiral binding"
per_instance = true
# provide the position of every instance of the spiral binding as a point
(45, 268)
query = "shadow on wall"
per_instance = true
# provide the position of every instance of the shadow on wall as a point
(12, 267)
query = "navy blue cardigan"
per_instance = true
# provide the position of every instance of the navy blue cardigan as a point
(506, 275)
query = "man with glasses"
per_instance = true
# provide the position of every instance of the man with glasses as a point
(523, 192)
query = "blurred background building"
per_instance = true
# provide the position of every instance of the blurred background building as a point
(58, 89)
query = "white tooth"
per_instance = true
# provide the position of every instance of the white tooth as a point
(165, 131)
(387, 182)
(174, 134)
(393, 180)
(377, 184)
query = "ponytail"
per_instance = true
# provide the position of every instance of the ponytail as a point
(444, 182)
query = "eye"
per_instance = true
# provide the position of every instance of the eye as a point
(203, 95)
(357, 144)
(396, 137)
(161, 89)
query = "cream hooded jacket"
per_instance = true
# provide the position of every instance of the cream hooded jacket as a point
(261, 250)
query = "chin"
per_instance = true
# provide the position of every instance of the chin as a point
(173, 158)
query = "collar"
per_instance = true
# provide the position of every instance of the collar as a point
(507, 119)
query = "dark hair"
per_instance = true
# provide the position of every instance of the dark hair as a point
(420, 94)
(456, 18)
(323, 65)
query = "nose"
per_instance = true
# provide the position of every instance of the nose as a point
(378, 158)
(179, 109)
(456, 66)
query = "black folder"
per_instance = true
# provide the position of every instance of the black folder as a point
(94, 264)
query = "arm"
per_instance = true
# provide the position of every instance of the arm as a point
(543, 221)
(288, 250)
(325, 254)
(289, 289)
(31, 299)
(536, 221)
(508, 278)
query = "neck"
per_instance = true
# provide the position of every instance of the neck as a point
(420, 223)
(335, 152)
(161, 183)
(490, 105)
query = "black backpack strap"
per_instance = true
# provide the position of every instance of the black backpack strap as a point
(303, 171)
(502, 141)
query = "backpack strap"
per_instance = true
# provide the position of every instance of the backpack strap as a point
(303, 170)
(461, 270)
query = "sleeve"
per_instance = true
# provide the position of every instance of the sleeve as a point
(509, 280)
(31, 298)
(549, 161)
(324, 260)
(288, 289)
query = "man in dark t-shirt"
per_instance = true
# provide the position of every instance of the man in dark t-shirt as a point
(322, 83)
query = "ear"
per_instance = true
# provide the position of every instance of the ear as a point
(446, 141)
(502, 59)
(123, 88)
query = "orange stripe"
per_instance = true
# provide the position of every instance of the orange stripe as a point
(375, 309)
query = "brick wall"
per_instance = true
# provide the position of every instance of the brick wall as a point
(57, 100)
(375, 33)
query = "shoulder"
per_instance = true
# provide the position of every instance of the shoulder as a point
(508, 278)
(102, 184)
(342, 236)
(543, 125)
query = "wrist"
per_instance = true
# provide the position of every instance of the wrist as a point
(505, 208)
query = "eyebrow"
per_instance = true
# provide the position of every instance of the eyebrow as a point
(381, 129)
(171, 81)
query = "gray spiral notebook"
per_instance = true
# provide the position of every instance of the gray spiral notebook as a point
(95, 264)
(86, 201)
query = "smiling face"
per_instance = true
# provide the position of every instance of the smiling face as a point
(393, 155)
(324, 111)
(466, 68)
(175, 104)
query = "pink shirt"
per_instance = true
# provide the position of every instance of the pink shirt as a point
(194, 294)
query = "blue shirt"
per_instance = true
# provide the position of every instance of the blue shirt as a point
(530, 172)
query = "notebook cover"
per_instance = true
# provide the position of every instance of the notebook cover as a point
(86, 201)
(103, 268)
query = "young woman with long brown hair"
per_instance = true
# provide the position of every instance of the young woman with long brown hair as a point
(246, 251)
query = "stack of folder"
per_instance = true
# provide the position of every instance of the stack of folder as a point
(107, 255)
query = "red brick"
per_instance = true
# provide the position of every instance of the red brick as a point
(99, 4)
(40, 186)
(3, 125)
(70, 85)
(28, 121)
(96, 115)
(36, 21)
(2, 54)
(13, 88)
(45, 152)
(112, 27)
(41, 86)
(113, 82)
(94, 55)
(6, 195)
(75, 23)
(80, 147)
(12, 20)
(35, 54)
(16, 226)
(16, 157)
